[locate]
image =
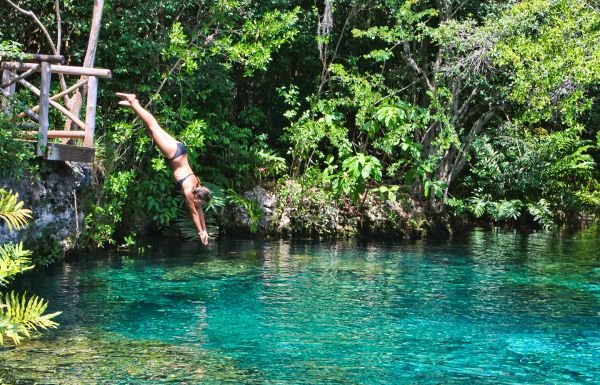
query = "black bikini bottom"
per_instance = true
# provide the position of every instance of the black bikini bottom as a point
(180, 151)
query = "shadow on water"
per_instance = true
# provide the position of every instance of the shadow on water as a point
(495, 307)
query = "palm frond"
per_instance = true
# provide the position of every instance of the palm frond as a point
(12, 210)
(13, 260)
(21, 316)
(12, 331)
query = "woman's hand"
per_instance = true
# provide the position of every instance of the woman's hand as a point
(203, 237)
(127, 99)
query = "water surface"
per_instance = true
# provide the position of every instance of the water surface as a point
(494, 308)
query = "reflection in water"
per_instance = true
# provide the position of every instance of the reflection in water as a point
(494, 308)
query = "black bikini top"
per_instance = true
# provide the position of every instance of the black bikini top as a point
(180, 181)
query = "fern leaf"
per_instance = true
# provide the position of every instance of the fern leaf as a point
(13, 260)
(12, 211)
(21, 316)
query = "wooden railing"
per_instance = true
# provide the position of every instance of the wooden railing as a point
(81, 139)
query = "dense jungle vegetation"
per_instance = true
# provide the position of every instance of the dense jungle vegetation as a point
(477, 110)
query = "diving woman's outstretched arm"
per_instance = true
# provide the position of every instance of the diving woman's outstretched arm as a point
(130, 100)
(198, 218)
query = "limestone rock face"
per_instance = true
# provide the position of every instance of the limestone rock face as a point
(255, 213)
(290, 210)
(51, 197)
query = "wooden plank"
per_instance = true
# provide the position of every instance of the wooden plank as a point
(61, 69)
(55, 134)
(34, 57)
(90, 111)
(54, 104)
(44, 108)
(67, 152)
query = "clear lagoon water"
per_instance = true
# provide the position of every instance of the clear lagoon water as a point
(492, 308)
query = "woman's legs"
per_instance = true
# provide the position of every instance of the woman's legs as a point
(165, 142)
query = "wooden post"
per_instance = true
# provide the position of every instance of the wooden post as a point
(7, 77)
(44, 109)
(8, 91)
(90, 57)
(90, 111)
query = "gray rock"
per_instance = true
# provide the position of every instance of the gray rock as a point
(51, 198)
(262, 204)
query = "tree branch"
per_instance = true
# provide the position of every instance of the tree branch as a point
(38, 22)
(324, 50)
(55, 50)
(461, 159)
(413, 64)
(463, 109)
(58, 26)
(61, 77)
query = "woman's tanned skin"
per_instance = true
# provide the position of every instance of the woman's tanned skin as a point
(180, 166)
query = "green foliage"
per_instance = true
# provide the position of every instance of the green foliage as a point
(409, 95)
(12, 211)
(10, 48)
(249, 207)
(389, 193)
(259, 38)
(13, 260)
(355, 174)
(20, 316)
(556, 169)
(551, 63)
(542, 213)
(15, 156)
(271, 165)
(102, 221)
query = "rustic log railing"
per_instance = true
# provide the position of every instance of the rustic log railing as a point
(47, 65)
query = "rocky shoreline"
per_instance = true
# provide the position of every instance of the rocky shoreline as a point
(57, 217)
(290, 211)
(282, 211)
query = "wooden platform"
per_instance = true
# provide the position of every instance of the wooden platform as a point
(67, 152)
(72, 153)
(74, 130)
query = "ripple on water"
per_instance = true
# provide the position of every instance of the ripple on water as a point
(496, 308)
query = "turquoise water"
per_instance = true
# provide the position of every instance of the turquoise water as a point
(493, 308)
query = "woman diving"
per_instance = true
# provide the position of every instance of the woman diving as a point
(176, 154)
